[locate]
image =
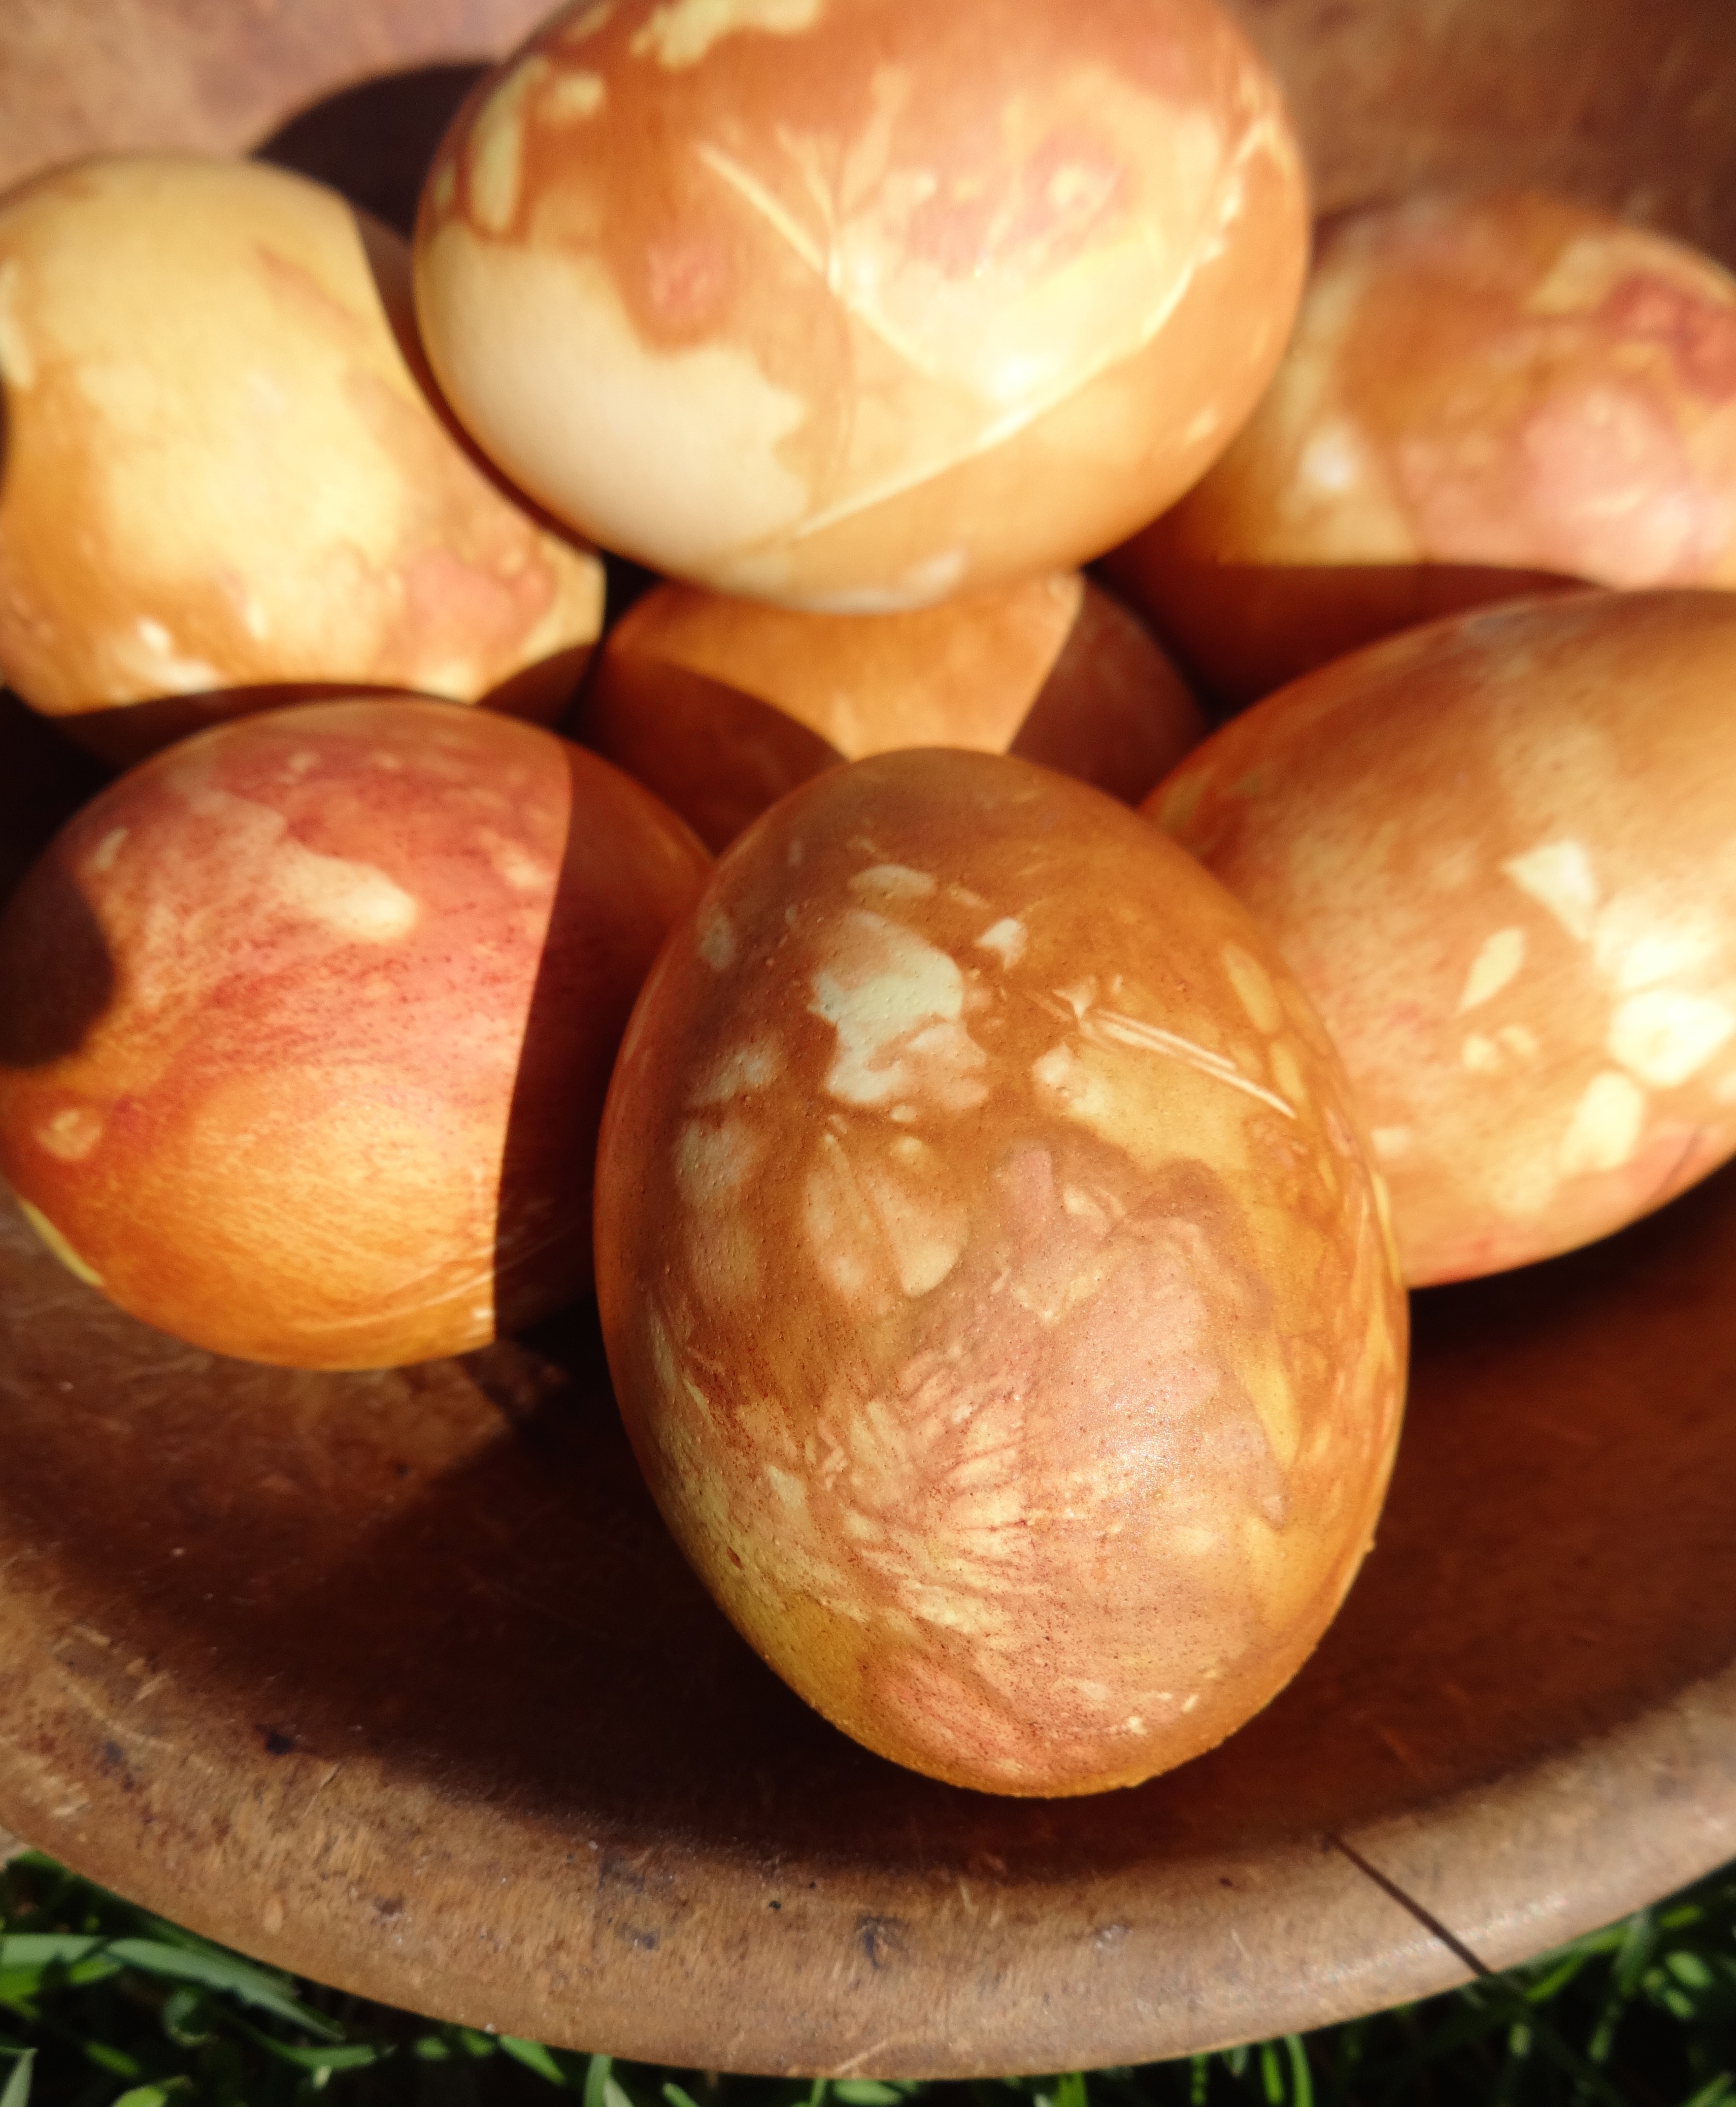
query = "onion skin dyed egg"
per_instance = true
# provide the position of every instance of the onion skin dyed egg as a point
(1500, 854)
(306, 1024)
(854, 304)
(1482, 396)
(228, 478)
(994, 1282)
(720, 705)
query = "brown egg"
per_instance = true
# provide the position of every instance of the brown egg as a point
(1480, 393)
(1500, 853)
(992, 1278)
(720, 705)
(306, 1024)
(227, 470)
(852, 304)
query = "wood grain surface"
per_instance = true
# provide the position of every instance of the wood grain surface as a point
(396, 1680)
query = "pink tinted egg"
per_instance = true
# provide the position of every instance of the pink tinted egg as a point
(306, 1024)
(1481, 394)
(1500, 853)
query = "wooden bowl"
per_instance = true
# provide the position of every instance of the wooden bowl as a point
(396, 1681)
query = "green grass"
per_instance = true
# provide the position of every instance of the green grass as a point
(102, 2004)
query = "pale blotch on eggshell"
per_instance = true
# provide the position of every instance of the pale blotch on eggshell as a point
(853, 307)
(226, 469)
(1500, 854)
(1481, 395)
(720, 705)
(306, 1024)
(993, 1277)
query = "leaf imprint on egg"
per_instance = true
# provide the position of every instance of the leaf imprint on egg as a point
(1112, 1028)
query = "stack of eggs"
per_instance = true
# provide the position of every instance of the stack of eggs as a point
(984, 1203)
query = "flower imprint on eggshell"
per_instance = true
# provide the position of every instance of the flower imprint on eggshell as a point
(979, 1505)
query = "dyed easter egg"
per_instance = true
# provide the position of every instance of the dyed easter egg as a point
(720, 705)
(227, 477)
(993, 1277)
(853, 304)
(1500, 853)
(306, 1024)
(1480, 393)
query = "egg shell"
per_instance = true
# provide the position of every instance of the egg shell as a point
(720, 705)
(306, 1024)
(228, 477)
(1500, 853)
(853, 304)
(993, 1278)
(1481, 395)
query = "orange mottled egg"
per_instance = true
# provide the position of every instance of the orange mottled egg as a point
(994, 1281)
(1481, 392)
(226, 471)
(306, 1024)
(720, 705)
(1500, 853)
(852, 304)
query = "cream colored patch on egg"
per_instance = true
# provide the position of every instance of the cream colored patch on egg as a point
(1558, 876)
(1253, 990)
(72, 1133)
(920, 586)
(716, 940)
(1480, 1055)
(713, 1163)
(517, 868)
(1520, 1186)
(1605, 1128)
(1666, 1036)
(1496, 965)
(891, 883)
(100, 861)
(1393, 1143)
(1007, 938)
(496, 141)
(681, 32)
(895, 1001)
(166, 665)
(357, 900)
(61, 1246)
(670, 455)
(572, 97)
(1636, 946)
(738, 1071)
(17, 360)
(925, 1237)
(1333, 461)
